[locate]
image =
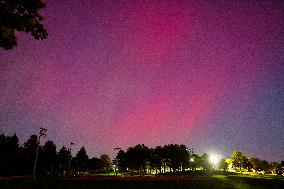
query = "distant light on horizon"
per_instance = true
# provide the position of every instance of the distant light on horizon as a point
(214, 159)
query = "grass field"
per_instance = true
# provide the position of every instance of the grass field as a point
(160, 182)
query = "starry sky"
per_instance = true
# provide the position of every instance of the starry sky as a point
(207, 74)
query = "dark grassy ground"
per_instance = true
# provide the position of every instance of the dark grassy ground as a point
(148, 182)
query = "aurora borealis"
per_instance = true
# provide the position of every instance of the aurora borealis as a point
(208, 74)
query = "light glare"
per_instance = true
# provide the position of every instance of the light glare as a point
(214, 159)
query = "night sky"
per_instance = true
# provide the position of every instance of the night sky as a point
(207, 74)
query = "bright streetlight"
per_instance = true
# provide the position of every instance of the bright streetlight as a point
(214, 159)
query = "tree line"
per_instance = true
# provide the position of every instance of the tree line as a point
(239, 162)
(173, 158)
(16, 159)
(162, 159)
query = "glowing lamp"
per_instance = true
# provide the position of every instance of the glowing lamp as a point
(214, 159)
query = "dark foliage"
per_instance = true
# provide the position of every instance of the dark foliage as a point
(9, 154)
(169, 159)
(23, 16)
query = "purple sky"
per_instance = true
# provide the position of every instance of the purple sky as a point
(112, 74)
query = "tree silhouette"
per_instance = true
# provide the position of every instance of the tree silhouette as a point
(256, 163)
(48, 159)
(156, 158)
(205, 162)
(18, 160)
(176, 156)
(106, 162)
(9, 154)
(238, 160)
(223, 165)
(197, 161)
(264, 166)
(137, 157)
(121, 160)
(29, 153)
(95, 165)
(82, 159)
(63, 158)
(275, 168)
(23, 16)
